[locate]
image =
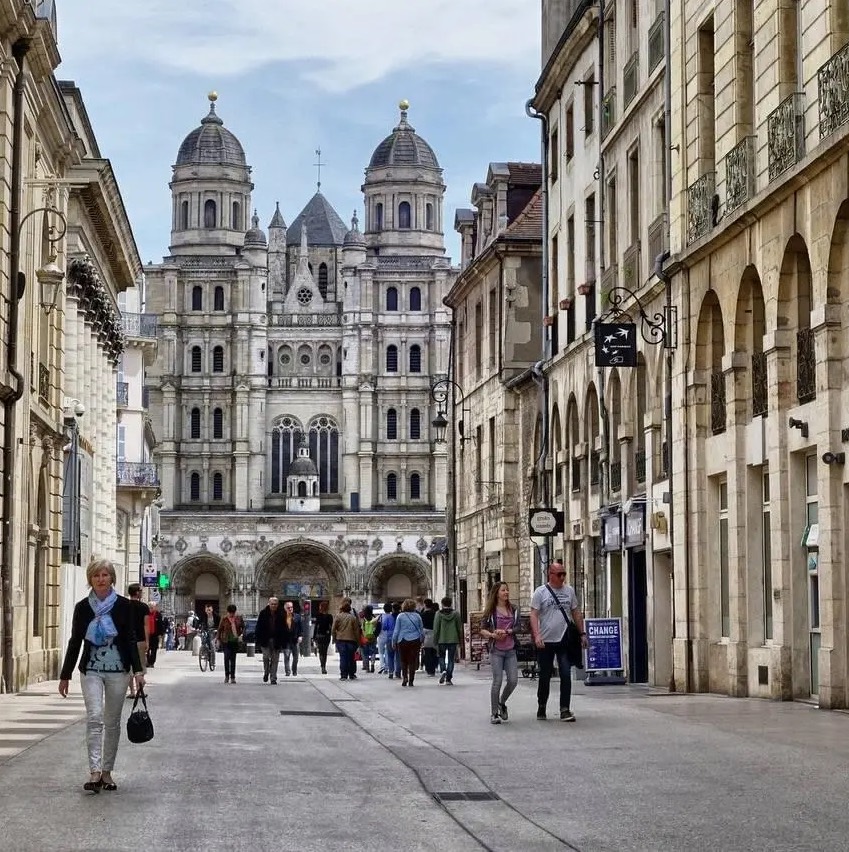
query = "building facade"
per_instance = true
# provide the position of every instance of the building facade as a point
(311, 347)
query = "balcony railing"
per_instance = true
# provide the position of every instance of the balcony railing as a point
(701, 207)
(657, 237)
(718, 408)
(137, 474)
(616, 476)
(640, 465)
(608, 281)
(43, 383)
(595, 467)
(760, 397)
(806, 366)
(785, 132)
(140, 325)
(656, 41)
(630, 79)
(833, 80)
(608, 112)
(122, 394)
(631, 266)
(302, 382)
(740, 174)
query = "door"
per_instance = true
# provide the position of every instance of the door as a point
(638, 647)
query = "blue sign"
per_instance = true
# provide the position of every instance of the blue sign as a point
(604, 644)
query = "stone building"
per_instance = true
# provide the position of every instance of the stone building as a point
(318, 336)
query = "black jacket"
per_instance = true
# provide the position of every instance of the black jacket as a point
(297, 628)
(270, 627)
(125, 641)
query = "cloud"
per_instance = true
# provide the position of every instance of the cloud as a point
(336, 45)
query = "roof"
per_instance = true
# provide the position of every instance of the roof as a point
(403, 147)
(211, 144)
(525, 174)
(324, 225)
(464, 216)
(302, 466)
(528, 224)
(277, 220)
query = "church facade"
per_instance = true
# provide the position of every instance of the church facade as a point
(291, 391)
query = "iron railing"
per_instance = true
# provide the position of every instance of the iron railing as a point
(640, 465)
(608, 111)
(630, 79)
(656, 41)
(740, 174)
(760, 395)
(137, 474)
(701, 206)
(718, 407)
(122, 394)
(615, 476)
(806, 366)
(657, 237)
(43, 383)
(631, 266)
(833, 79)
(140, 325)
(595, 467)
(785, 133)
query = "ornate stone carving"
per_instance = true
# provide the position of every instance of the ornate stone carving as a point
(377, 545)
(421, 545)
(226, 545)
(181, 545)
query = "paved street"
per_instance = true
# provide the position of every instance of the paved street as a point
(318, 764)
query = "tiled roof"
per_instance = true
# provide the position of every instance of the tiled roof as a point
(528, 224)
(211, 144)
(324, 225)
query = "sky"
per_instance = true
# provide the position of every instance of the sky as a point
(296, 75)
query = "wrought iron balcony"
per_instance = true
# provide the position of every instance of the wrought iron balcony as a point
(640, 465)
(656, 41)
(785, 131)
(608, 111)
(631, 277)
(718, 407)
(43, 383)
(616, 476)
(122, 394)
(806, 366)
(760, 396)
(630, 79)
(657, 237)
(833, 79)
(701, 207)
(740, 174)
(141, 326)
(137, 474)
(595, 467)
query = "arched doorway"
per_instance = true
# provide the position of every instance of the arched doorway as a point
(197, 581)
(396, 576)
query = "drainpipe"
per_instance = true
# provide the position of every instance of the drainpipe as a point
(16, 291)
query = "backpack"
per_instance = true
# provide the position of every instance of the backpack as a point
(369, 630)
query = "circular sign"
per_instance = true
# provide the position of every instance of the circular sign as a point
(543, 522)
(155, 597)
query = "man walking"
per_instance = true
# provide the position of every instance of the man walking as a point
(447, 635)
(294, 637)
(140, 612)
(270, 635)
(554, 607)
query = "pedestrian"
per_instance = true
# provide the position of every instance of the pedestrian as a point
(396, 657)
(554, 611)
(181, 635)
(294, 637)
(371, 631)
(270, 635)
(447, 636)
(429, 655)
(169, 634)
(155, 629)
(346, 634)
(230, 632)
(140, 612)
(407, 640)
(499, 625)
(384, 640)
(102, 627)
(321, 634)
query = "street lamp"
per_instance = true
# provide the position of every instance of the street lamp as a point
(439, 394)
(51, 275)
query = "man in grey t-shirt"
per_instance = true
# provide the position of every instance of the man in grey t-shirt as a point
(548, 627)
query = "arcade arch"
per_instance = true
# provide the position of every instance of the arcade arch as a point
(396, 576)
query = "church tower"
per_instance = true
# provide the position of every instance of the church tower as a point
(302, 482)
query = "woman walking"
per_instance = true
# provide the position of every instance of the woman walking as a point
(407, 638)
(371, 631)
(102, 627)
(346, 634)
(230, 631)
(321, 634)
(499, 624)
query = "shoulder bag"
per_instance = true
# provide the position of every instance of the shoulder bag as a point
(574, 649)
(139, 724)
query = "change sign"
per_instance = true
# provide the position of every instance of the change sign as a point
(604, 644)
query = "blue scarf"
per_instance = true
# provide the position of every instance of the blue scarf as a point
(101, 629)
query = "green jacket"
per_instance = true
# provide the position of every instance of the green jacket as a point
(447, 627)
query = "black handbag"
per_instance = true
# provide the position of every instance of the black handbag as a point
(139, 724)
(574, 647)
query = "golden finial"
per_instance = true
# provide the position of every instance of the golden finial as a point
(404, 105)
(213, 97)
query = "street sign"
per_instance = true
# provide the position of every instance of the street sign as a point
(604, 644)
(615, 344)
(149, 576)
(155, 597)
(545, 521)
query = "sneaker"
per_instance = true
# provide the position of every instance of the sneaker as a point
(391, 675)
(495, 719)
(288, 674)
(567, 716)
(324, 671)
(265, 677)
(226, 680)
(502, 709)
(232, 680)
(449, 682)
(294, 673)
(541, 714)
(274, 683)
(352, 677)
(442, 680)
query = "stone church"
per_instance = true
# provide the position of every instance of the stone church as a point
(291, 392)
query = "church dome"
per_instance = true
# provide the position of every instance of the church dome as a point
(211, 144)
(255, 236)
(354, 238)
(403, 147)
(302, 466)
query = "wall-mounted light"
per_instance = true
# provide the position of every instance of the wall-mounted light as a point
(801, 425)
(834, 458)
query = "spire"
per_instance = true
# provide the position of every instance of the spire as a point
(277, 219)
(212, 117)
(403, 124)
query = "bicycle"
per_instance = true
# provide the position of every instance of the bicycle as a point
(206, 654)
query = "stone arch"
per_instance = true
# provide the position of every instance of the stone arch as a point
(837, 290)
(184, 580)
(305, 562)
(749, 330)
(795, 299)
(392, 565)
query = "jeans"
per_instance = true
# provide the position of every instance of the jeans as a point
(382, 642)
(347, 666)
(291, 651)
(322, 644)
(270, 661)
(369, 653)
(408, 650)
(393, 661)
(228, 649)
(447, 653)
(546, 657)
(502, 662)
(103, 693)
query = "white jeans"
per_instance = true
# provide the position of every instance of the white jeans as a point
(103, 693)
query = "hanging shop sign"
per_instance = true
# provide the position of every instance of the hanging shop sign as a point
(612, 532)
(545, 521)
(615, 344)
(635, 527)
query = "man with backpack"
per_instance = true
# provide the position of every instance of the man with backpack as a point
(371, 630)
(447, 636)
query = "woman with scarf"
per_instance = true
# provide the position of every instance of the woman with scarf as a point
(103, 628)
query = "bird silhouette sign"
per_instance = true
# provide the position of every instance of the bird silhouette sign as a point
(616, 344)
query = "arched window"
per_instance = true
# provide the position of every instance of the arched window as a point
(391, 487)
(415, 359)
(404, 215)
(415, 424)
(197, 359)
(218, 359)
(415, 299)
(217, 486)
(194, 427)
(324, 451)
(302, 489)
(209, 214)
(194, 486)
(391, 425)
(392, 299)
(285, 437)
(392, 359)
(237, 216)
(218, 299)
(184, 216)
(378, 216)
(217, 423)
(322, 280)
(197, 298)
(415, 486)
(429, 217)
